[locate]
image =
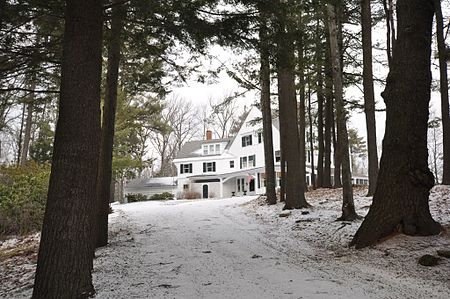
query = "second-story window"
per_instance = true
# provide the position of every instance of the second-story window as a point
(277, 156)
(246, 140)
(243, 162)
(252, 161)
(186, 168)
(231, 164)
(209, 166)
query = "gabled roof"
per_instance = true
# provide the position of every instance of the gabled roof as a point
(192, 149)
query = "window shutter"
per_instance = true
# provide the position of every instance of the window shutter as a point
(190, 168)
(204, 167)
(243, 141)
(241, 161)
(181, 168)
(250, 141)
(214, 166)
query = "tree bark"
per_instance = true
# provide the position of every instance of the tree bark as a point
(404, 181)
(295, 182)
(108, 123)
(337, 154)
(348, 206)
(328, 112)
(444, 93)
(320, 101)
(311, 138)
(369, 96)
(66, 249)
(27, 133)
(271, 196)
(19, 142)
(302, 111)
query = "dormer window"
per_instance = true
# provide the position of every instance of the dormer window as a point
(211, 149)
(246, 140)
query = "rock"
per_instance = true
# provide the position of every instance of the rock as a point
(305, 212)
(304, 220)
(206, 251)
(428, 260)
(285, 213)
(256, 256)
(444, 253)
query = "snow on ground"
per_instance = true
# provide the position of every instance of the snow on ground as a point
(241, 248)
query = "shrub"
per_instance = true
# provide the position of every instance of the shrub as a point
(23, 194)
(135, 197)
(189, 195)
(162, 196)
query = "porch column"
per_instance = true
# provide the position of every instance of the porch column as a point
(221, 188)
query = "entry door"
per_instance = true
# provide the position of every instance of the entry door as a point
(205, 191)
(251, 186)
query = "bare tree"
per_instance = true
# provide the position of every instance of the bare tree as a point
(179, 124)
(223, 115)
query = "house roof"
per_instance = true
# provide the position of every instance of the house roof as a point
(192, 149)
(152, 182)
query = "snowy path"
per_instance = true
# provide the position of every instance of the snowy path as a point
(207, 249)
(212, 249)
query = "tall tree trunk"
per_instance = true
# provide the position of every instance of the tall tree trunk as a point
(271, 196)
(295, 182)
(27, 133)
(348, 206)
(337, 153)
(387, 13)
(19, 142)
(404, 181)
(311, 137)
(66, 249)
(301, 106)
(444, 92)
(108, 122)
(320, 101)
(328, 111)
(369, 97)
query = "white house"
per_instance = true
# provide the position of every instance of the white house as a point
(231, 166)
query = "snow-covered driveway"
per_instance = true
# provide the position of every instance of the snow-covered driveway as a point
(200, 249)
(217, 249)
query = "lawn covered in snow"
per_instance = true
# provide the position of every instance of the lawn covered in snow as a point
(241, 248)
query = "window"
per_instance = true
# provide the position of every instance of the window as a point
(246, 140)
(249, 161)
(186, 168)
(211, 149)
(209, 166)
(259, 180)
(243, 162)
(277, 156)
(252, 161)
(231, 164)
(185, 187)
(259, 137)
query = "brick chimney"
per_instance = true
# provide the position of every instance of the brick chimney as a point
(208, 135)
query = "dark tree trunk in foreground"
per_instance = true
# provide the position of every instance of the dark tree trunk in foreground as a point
(66, 249)
(295, 183)
(302, 113)
(369, 97)
(107, 134)
(444, 93)
(266, 111)
(404, 181)
(348, 206)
